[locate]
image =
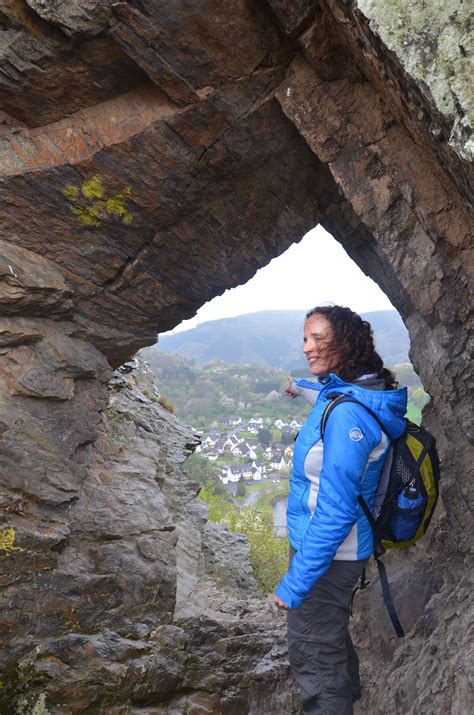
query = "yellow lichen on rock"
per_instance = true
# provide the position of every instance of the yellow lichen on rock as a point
(98, 205)
(7, 539)
(87, 217)
(116, 205)
(70, 191)
(93, 188)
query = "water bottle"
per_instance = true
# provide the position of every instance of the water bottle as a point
(407, 518)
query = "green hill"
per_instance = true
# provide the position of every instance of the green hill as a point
(274, 339)
(206, 396)
(203, 395)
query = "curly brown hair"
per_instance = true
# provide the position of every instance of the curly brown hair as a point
(352, 345)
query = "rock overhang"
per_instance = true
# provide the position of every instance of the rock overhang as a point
(130, 196)
(156, 199)
(218, 137)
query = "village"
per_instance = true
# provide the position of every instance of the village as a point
(250, 451)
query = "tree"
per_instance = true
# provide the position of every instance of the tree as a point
(266, 386)
(287, 436)
(264, 436)
(241, 489)
(198, 468)
(219, 504)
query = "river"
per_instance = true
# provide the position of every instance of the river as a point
(279, 516)
(279, 508)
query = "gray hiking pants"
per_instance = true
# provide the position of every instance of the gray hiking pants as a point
(322, 657)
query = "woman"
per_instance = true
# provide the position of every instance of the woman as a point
(330, 538)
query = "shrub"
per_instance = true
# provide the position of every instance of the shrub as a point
(268, 553)
(167, 404)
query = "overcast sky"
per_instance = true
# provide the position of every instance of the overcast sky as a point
(313, 272)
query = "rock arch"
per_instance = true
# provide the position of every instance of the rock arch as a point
(215, 139)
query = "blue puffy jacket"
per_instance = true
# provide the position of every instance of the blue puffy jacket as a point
(324, 519)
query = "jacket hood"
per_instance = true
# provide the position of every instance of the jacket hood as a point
(390, 406)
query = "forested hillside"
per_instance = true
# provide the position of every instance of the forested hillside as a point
(218, 391)
(214, 393)
(274, 339)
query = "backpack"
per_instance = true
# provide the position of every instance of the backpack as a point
(406, 496)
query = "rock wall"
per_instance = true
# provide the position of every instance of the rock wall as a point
(133, 601)
(150, 159)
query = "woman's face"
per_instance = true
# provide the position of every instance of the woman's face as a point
(318, 348)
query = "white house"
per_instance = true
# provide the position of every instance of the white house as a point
(262, 466)
(231, 441)
(279, 423)
(260, 469)
(211, 439)
(243, 450)
(248, 451)
(278, 462)
(231, 474)
(245, 429)
(233, 421)
(255, 420)
(294, 424)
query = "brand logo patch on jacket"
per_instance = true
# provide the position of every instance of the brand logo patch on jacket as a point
(356, 434)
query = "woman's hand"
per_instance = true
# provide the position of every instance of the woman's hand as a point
(288, 391)
(281, 604)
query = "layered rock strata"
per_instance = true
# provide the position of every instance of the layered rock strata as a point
(152, 157)
(135, 603)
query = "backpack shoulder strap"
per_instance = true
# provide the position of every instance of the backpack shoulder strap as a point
(339, 398)
(388, 600)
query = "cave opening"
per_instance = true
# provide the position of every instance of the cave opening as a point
(224, 371)
(260, 322)
(204, 374)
